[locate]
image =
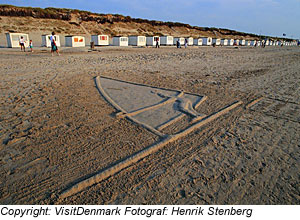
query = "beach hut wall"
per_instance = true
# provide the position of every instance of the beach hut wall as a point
(267, 42)
(137, 41)
(207, 41)
(166, 40)
(100, 40)
(190, 41)
(151, 41)
(120, 41)
(252, 42)
(181, 40)
(75, 41)
(224, 42)
(13, 39)
(198, 42)
(216, 41)
(242, 42)
(230, 42)
(46, 40)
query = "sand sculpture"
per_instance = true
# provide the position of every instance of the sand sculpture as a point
(154, 109)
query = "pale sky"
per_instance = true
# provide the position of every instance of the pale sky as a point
(266, 17)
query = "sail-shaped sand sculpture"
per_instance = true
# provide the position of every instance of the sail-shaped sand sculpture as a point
(153, 108)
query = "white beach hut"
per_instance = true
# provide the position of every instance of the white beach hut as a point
(137, 41)
(198, 41)
(74, 41)
(252, 42)
(267, 42)
(181, 40)
(230, 42)
(151, 41)
(166, 40)
(120, 41)
(224, 42)
(190, 41)
(207, 41)
(46, 40)
(258, 43)
(247, 42)
(216, 41)
(242, 42)
(13, 39)
(236, 42)
(100, 40)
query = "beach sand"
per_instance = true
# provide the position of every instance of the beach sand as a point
(57, 130)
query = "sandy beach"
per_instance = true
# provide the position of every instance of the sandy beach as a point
(57, 130)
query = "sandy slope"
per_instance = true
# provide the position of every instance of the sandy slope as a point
(56, 129)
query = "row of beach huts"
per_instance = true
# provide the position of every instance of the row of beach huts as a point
(105, 40)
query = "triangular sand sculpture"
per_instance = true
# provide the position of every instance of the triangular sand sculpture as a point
(154, 109)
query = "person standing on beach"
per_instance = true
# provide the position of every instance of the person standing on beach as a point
(262, 43)
(31, 46)
(157, 43)
(178, 43)
(185, 43)
(22, 43)
(53, 44)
